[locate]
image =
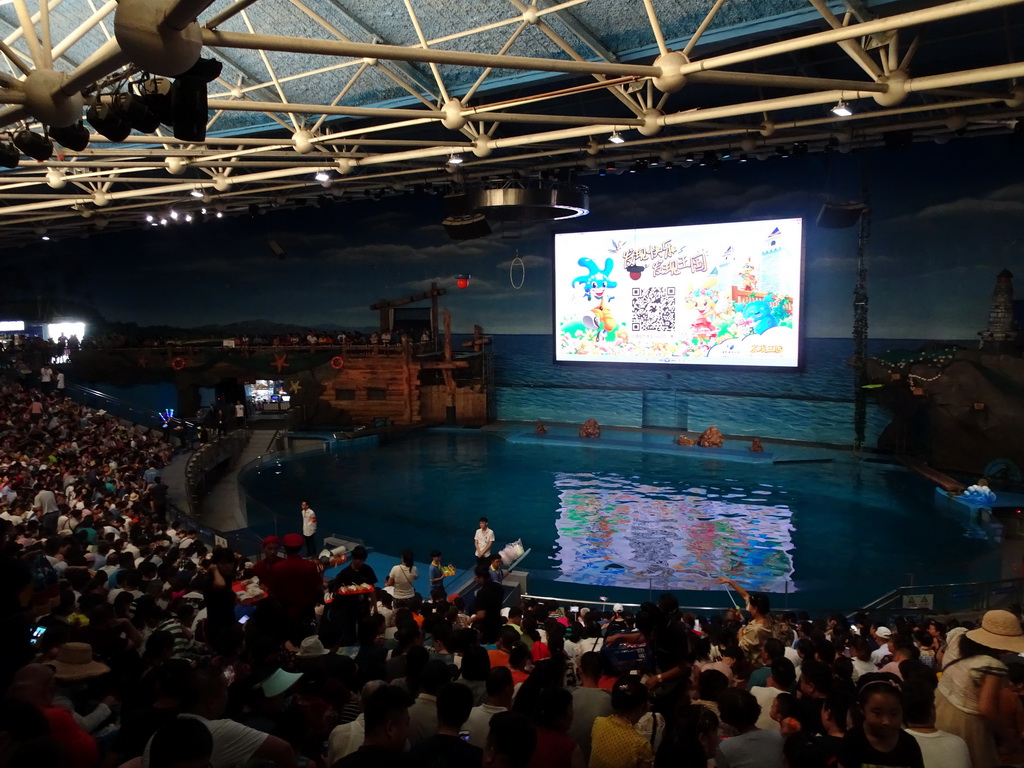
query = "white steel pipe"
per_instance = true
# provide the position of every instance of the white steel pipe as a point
(652, 17)
(232, 10)
(106, 59)
(28, 29)
(469, 112)
(936, 13)
(966, 77)
(692, 42)
(16, 35)
(84, 28)
(218, 39)
(852, 47)
(725, 77)
(184, 13)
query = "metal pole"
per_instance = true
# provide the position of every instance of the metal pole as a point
(217, 39)
(652, 17)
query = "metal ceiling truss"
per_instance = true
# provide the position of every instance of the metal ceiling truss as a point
(525, 105)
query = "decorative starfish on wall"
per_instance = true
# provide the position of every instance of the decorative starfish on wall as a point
(294, 387)
(281, 362)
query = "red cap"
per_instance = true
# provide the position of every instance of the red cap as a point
(272, 540)
(293, 540)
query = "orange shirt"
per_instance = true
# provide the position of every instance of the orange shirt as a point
(498, 658)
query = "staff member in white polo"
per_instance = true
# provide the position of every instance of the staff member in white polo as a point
(483, 539)
(309, 529)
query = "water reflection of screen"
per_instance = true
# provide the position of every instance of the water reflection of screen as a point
(614, 531)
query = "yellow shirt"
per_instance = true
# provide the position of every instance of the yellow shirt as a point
(615, 744)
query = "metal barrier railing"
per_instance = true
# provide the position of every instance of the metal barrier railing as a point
(204, 464)
(965, 597)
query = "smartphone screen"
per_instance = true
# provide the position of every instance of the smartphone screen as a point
(574, 608)
(243, 620)
(464, 735)
(37, 633)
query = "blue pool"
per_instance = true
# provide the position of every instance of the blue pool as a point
(623, 523)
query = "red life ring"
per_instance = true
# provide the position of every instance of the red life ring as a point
(337, 363)
(178, 363)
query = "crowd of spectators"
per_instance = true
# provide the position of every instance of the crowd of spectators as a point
(310, 338)
(124, 640)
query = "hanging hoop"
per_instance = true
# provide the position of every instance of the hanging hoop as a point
(337, 363)
(522, 273)
(178, 363)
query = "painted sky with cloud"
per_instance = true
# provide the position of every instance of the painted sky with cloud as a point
(946, 219)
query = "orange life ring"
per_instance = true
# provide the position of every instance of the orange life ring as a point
(178, 363)
(337, 362)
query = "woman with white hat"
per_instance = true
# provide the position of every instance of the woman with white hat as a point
(967, 699)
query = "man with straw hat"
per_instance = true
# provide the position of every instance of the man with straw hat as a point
(967, 699)
(36, 684)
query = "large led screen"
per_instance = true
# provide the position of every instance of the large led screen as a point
(711, 294)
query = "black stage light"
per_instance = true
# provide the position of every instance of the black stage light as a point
(466, 227)
(9, 156)
(189, 99)
(156, 95)
(74, 137)
(840, 215)
(133, 110)
(457, 205)
(32, 144)
(107, 122)
(800, 148)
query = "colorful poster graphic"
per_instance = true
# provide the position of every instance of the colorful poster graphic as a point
(712, 294)
(617, 532)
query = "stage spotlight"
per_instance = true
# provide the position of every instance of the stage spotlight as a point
(33, 145)
(75, 137)
(156, 95)
(107, 122)
(615, 138)
(669, 166)
(609, 166)
(189, 100)
(726, 153)
(744, 157)
(196, 192)
(781, 151)
(455, 159)
(9, 156)
(689, 157)
(322, 176)
(800, 148)
(842, 109)
(132, 109)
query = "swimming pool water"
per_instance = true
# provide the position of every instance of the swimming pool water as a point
(624, 524)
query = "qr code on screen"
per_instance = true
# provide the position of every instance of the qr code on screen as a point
(654, 309)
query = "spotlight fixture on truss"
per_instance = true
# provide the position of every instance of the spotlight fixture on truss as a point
(616, 138)
(842, 109)
(455, 159)
(75, 136)
(37, 147)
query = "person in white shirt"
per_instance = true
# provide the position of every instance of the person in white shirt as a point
(882, 635)
(499, 687)
(483, 539)
(938, 748)
(781, 680)
(309, 528)
(348, 737)
(402, 579)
